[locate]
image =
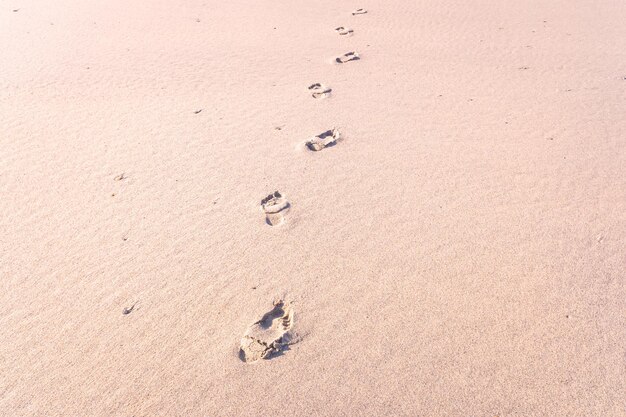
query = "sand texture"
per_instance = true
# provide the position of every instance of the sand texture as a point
(312, 208)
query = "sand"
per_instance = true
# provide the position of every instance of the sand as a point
(457, 250)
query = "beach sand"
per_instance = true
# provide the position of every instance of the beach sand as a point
(447, 239)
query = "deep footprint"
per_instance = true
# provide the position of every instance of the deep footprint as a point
(323, 140)
(359, 11)
(319, 90)
(268, 336)
(347, 57)
(275, 206)
(343, 31)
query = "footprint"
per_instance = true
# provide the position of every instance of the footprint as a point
(268, 336)
(359, 11)
(275, 206)
(344, 31)
(323, 140)
(347, 57)
(319, 90)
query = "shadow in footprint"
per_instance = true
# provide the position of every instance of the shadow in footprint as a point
(319, 90)
(359, 11)
(324, 140)
(275, 206)
(347, 57)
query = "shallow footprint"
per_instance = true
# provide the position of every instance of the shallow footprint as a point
(347, 57)
(343, 31)
(323, 140)
(269, 335)
(275, 206)
(359, 11)
(319, 90)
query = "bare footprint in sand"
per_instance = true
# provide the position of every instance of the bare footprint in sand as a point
(319, 90)
(323, 140)
(268, 336)
(343, 31)
(275, 206)
(359, 11)
(347, 57)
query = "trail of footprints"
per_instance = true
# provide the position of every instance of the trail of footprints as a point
(270, 335)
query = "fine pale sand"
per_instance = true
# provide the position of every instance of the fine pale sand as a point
(282, 208)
